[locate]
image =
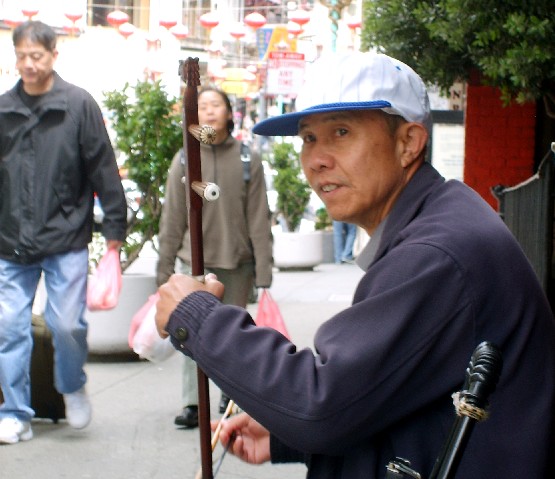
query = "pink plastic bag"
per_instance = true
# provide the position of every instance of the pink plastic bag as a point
(143, 336)
(140, 316)
(269, 315)
(104, 284)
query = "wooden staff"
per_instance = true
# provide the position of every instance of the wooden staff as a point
(189, 71)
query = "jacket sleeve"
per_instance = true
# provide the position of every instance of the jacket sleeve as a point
(102, 169)
(173, 222)
(369, 368)
(259, 224)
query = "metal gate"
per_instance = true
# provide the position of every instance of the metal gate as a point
(527, 210)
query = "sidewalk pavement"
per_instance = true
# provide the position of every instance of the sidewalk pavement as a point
(132, 434)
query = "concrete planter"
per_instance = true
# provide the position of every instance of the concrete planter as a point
(298, 250)
(108, 330)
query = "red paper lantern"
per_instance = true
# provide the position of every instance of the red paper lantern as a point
(126, 29)
(209, 20)
(294, 28)
(353, 24)
(29, 12)
(152, 41)
(255, 20)
(71, 29)
(238, 31)
(300, 16)
(167, 24)
(73, 16)
(13, 22)
(179, 31)
(117, 18)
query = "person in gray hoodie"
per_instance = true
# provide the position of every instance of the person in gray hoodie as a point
(236, 227)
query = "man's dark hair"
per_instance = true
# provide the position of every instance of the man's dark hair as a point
(36, 32)
(393, 122)
(225, 98)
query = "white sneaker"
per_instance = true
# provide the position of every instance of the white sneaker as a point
(78, 409)
(13, 430)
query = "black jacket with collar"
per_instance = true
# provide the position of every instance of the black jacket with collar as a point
(52, 159)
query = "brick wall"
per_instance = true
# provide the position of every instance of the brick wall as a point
(499, 141)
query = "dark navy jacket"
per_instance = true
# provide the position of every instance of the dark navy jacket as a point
(52, 160)
(447, 275)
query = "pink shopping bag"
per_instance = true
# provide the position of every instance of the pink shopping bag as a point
(104, 284)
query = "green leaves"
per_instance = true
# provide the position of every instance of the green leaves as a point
(292, 189)
(509, 42)
(148, 132)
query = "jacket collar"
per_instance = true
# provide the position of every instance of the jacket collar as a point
(55, 99)
(407, 206)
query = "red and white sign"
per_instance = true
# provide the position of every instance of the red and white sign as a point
(285, 73)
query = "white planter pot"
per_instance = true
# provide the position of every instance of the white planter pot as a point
(298, 250)
(108, 330)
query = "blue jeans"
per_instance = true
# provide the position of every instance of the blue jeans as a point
(344, 235)
(66, 287)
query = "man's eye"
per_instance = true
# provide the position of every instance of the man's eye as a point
(307, 138)
(36, 56)
(341, 131)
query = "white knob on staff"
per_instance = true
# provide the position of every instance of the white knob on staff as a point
(208, 191)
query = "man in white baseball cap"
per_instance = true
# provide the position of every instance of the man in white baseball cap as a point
(442, 275)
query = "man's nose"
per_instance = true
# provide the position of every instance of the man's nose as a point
(317, 158)
(28, 62)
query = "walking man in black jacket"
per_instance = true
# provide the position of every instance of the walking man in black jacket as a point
(55, 154)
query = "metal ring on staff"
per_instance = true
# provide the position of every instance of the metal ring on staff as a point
(208, 191)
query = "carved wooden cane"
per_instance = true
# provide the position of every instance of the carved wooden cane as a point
(197, 190)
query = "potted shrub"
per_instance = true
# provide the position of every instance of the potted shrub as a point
(147, 126)
(292, 249)
(293, 191)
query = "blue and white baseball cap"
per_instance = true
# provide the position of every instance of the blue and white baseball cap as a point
(355, 81)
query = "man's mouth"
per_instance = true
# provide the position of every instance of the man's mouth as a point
(328, 188)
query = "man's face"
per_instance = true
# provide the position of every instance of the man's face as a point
(354, 163)
(35, 65)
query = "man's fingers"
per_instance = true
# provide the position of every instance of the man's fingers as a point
(214, 286)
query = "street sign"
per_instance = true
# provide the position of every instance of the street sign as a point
(285, 73)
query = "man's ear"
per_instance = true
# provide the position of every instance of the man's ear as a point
(413, 138)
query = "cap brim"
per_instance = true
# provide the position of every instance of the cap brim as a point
(288, 124)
